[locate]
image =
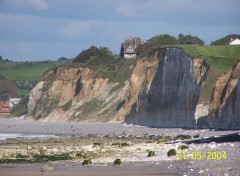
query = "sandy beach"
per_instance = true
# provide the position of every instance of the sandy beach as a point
(104, 142)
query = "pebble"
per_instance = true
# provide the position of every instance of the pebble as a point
(47, 168)
(201, 171)
(225, 174)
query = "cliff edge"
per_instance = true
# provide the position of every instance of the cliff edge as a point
(225, 105)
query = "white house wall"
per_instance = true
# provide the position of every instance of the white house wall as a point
(235, 42)
(129, 56)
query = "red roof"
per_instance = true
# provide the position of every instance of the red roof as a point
(4, 104)
(4, 107)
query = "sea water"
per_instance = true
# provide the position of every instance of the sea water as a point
(4, 136)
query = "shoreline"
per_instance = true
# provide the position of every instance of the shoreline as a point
(17, 125)
(103, 143)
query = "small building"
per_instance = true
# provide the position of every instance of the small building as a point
(14, 101)
(128, 48)
(234, 41)
(5, 107)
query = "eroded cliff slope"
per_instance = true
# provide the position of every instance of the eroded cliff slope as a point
(162, 91)
(225, 105)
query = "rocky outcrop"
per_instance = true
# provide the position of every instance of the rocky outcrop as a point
(162, 91)
(167, 97)
(225, 105)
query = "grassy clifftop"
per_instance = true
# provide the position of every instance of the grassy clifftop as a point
(221, 58)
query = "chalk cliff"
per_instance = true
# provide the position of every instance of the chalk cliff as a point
(162, 91)
(225, 105)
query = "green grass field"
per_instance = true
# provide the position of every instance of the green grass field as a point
(221, 58)
(25, 71)
(30, 72)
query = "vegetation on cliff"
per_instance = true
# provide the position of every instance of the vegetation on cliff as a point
(225, 40)
(221, 58)
(167, 40)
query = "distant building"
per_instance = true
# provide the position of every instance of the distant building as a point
(14, 101)
(128, 48)
(234, 41)
(4, 107)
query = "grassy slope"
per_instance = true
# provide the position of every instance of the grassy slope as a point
(22, 71)
(25, 71)
(221, 58)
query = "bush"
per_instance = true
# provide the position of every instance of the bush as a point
(117, 162)
(21, 108)
(171, 152)
(67, 106)
(151, 153)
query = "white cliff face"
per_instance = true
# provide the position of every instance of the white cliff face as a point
(173, 94)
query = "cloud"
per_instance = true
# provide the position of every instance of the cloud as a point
(36, 4)
(205, 12)
(74, 29)
(39, 4)
(27, 27)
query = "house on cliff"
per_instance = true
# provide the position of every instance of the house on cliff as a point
(128, 48)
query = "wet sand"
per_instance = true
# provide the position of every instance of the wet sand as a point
(75, 169)
(14, 125)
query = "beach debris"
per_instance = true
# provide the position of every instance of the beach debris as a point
(196, 136)
(47, 168)
(117, 162)
(119, 144)
(182, 137)
(171, 152)
(151, 153)
(182, 147)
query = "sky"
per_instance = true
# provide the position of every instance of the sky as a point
(49, 29)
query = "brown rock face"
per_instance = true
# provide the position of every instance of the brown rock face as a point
(68, 94)
(164, 93)
(225, 105)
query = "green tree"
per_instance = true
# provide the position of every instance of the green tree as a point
(94, 53)
(164, 39)
(189, 40)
